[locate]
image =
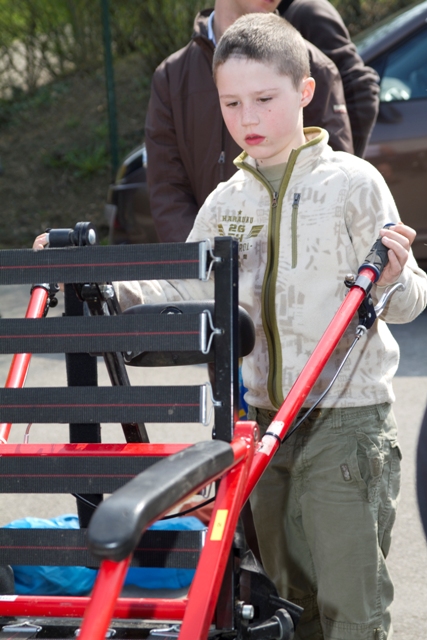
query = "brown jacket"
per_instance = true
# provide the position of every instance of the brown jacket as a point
(189, 149)
(320, 23)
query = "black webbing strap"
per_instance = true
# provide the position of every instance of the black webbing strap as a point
(55, 547)
(102, 404)
(69, 474)
(100, 264)
(96, 334)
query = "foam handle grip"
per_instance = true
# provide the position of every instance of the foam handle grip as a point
(377, 258)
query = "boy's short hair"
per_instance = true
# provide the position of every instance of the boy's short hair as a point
(268, 38)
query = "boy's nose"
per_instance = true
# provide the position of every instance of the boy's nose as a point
(249, 115)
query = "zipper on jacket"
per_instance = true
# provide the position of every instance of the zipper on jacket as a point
(268, 302)
(295, 205)
(274, 383)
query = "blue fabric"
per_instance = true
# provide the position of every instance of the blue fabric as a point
(51, 581)
(243, 405)
(152, 578)
(78, 581)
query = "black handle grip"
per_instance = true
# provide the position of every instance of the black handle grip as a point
(377, 258)
(83, 234)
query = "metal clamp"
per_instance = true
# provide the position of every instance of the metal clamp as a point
(205, 414)
(166, 632)
(24, 630)
(205, 342)
(205, 249)
(109, 634)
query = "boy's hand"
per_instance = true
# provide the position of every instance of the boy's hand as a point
(41, 241)
(398, 240)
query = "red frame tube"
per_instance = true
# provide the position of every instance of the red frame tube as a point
(74, 607)
(21, 361)
(109, 582)
(87, 450)
(206, 583)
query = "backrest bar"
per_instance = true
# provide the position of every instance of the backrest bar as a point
(96, 334)
(103, 264)
(85, 405)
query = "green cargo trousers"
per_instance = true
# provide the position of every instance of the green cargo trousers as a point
(323, 511)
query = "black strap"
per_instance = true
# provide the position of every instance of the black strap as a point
(69, 474)
(96, 334)
(56, 547)
(102, 404)
(100, 264)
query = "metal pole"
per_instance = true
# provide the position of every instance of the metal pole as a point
(109, 77)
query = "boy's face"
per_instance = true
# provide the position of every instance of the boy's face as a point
(262, 109)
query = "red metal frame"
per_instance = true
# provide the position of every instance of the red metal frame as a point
(236, 485)
(20, 361)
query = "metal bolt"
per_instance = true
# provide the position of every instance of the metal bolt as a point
(248, 612)
(107, 290)
(350, 277)
(91, 236)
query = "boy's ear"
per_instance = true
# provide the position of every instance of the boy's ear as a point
(308, 86)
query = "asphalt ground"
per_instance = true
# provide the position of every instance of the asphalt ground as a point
(408, 555)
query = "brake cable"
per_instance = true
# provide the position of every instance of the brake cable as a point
(367, 316)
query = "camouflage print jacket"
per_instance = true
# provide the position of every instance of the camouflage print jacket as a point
(295, 248)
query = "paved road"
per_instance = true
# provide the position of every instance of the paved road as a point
(408, 557)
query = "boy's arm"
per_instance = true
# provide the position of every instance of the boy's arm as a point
(172, 202)
(370, 206)
(157, 291)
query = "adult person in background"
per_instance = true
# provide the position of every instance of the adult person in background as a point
(189, 149)
(320, 23)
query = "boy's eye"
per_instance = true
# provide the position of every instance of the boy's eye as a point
(232, 104)
(266, 99)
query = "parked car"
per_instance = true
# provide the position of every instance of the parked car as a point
(397, 49)
(128, 209)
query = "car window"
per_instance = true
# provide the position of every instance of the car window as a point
(404, 71)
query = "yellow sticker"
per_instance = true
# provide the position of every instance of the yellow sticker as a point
(219, 524)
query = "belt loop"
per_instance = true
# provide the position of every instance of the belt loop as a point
(336, 418)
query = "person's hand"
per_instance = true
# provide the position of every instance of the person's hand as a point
(398, 240)
(41, 241)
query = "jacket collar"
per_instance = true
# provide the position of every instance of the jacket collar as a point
(200, 29)
(307, 154)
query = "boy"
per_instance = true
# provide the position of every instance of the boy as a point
(306, 216)
(188, 146)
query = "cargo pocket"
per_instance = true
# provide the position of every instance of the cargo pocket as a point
(367, 463)
(389, 496)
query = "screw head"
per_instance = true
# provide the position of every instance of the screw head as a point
(91, 236)
(248, 612)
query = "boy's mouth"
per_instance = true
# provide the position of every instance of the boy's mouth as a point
(253, 139)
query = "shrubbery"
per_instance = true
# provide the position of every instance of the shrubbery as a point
(41, 40)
